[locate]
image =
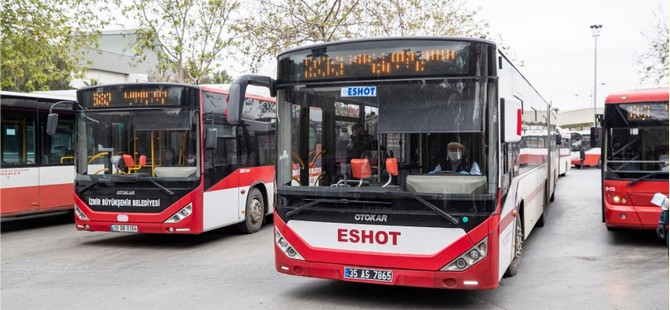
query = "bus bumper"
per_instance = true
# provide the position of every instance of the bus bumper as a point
(638, 217)
(183, 227)
(477, 277)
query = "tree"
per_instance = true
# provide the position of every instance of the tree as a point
(44, 42)
(653, 62)
(279, 25)
(421, 18)
(189, 36)
(220, 77)
(274, 26)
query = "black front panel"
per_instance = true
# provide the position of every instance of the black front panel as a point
(384, 208)
(140, 197)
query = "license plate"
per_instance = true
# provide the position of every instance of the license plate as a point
(368, 274)
(124, 228)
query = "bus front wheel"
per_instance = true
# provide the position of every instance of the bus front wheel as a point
(517, 247)
(254, 213)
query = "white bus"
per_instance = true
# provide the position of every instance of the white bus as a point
(387, 215)
(565, 161)
(37, 169)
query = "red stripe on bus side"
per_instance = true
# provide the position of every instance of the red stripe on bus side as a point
(245, 177)
(29, 199)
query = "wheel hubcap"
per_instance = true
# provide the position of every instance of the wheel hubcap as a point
(256, 211)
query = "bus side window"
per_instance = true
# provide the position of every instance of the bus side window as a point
(57, 149)
(18, 140)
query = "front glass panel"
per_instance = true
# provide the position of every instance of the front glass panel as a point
(637, 141)
(327, 129)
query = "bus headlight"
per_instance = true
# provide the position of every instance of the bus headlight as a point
(469, 258)
(617, 198)
(286, 247)
(181, 214)
(80, 214)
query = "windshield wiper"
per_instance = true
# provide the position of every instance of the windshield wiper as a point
(317, 201)
(646, 176)
(96, 182)
(165, 189)
(441, 212)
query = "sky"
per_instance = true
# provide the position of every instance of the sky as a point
(554, 40)
(555, 43)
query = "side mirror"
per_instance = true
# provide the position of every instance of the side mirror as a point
(510, 117)
(559, 139)
(232, 112)
(210, 138)
(52, 123)
(237, 94)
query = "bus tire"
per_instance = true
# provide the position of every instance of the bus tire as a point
(551, 198)
(254, 213)
(513, 268)
(545, 207)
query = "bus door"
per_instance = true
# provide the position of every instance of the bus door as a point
(20, 175)
(56, 172)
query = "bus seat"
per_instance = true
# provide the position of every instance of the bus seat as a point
(360, 169)
(391, 169)
(130, 163)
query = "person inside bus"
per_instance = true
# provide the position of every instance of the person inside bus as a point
(361, 141)
(456, 161)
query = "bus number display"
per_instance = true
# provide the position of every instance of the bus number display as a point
(102, 99)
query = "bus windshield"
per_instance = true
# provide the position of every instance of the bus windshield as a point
(637, 140)
(157, 142)
(332, 124)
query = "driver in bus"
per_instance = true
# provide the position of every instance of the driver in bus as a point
(456, 161)
(361, 141)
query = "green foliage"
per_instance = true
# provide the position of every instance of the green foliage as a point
(220, 77)
(274, 26)
(43, 42)
(653, 63)
(189, 36)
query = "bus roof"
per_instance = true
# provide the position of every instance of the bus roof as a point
(255, 92)
(638, 95)
(32, 100)
(317, 45)
(37, 95)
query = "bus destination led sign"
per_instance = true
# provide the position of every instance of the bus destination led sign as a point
(130, 98)
(357, 60)
(401, 62)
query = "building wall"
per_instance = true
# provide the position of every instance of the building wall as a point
(579, 119)
(114, 62)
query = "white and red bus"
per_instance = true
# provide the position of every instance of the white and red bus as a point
(565, 160)
(635, 154)
(588, 140)
(160, 158)
(36, 168)
(381, 216)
